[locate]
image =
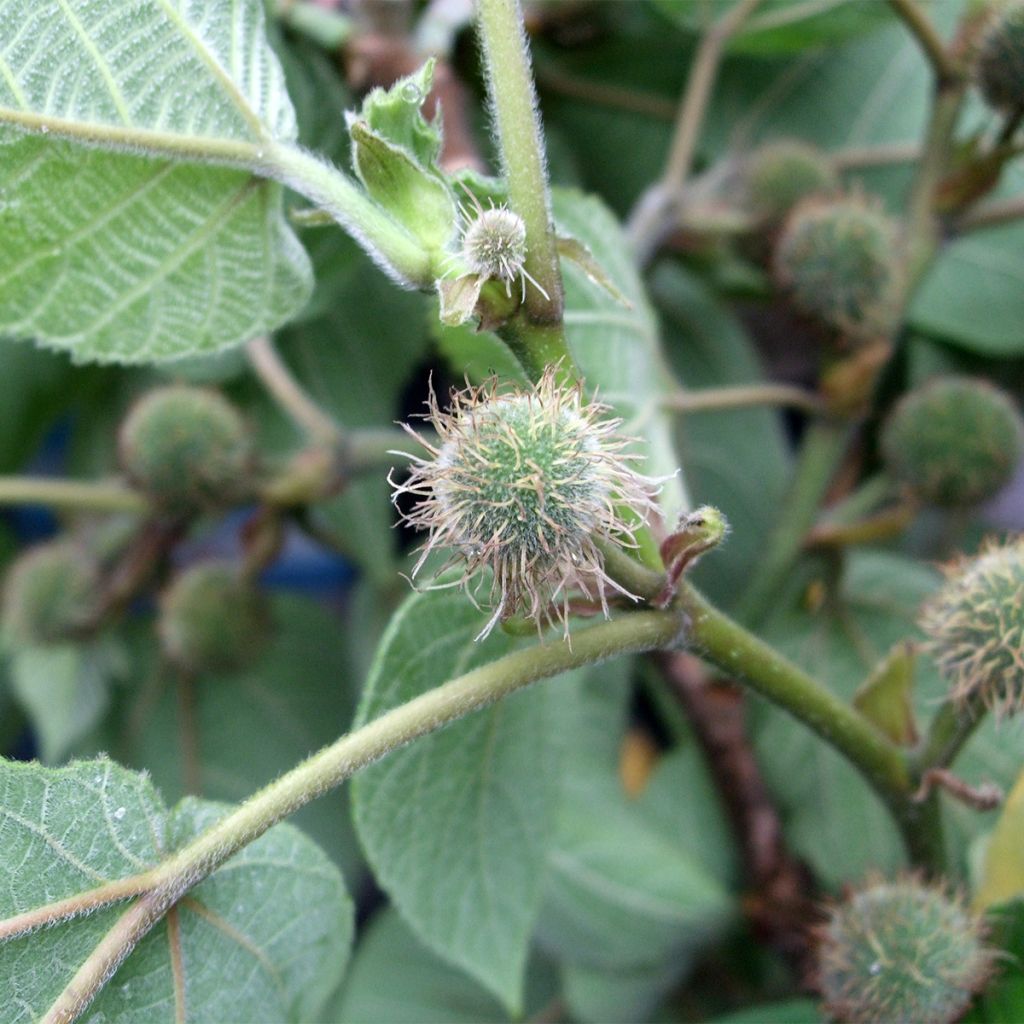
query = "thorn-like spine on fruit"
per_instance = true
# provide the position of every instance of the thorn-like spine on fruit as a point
(975, 628)
(187, 447)
(954, 441)
(524, 482)
(904, 952)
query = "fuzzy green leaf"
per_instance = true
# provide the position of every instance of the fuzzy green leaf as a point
(456, 826)
(265, 938)
(137, 251)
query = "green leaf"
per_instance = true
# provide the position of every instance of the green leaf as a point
(618, 349)
(832, 818)
(782, 26)
(265, 938)
(1002, 1001)
(396, 114)
(245, 729)
(596, 996)
(633, 885)
(456, 827)
(974, 293)
(64, 690)
(137, 252)
(395, 979)
(736, 460)
(793, 1011)
(885, 697)
(1002, 873)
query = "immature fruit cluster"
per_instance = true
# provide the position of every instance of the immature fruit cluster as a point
(524, 483)
(838, 260)
(188, 448)
(1000, 67)
(901, 952)
(780, 174)
(955, 441)
(975, 628)
(211, 620)
(50, 594)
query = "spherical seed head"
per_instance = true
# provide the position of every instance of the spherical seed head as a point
(838, 260)
(1000, 65)
(187, 447)
(975, 627)
(780, 174)
(211, 620)
(954, 441)
(524, 483)
(901, 952)
(50, 594)
(494, 244)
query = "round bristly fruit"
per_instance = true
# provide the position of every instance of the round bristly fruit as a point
(187, 448)
(975, 628)
(1000, 64)
(954, 441)
(211, 620)
(50, 594)
(525, 482)
(838, 260)
(780, 174)
(902, 952)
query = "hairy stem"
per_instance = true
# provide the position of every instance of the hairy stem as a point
(992, 214)
(289, 394)
(918, 22)
(723, 399)
(743, 656)
(514, 105)
(654, 214)
(632, 633)
(86, 496)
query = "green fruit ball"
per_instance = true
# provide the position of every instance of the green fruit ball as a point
(901, 952)
(780, 174)
(838, 261)
(187, 448)
(212, 621)
(1000, 67)
(50, 594)
(975, 628)
(954, 442)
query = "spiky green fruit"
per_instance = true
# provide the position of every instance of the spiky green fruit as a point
(50, 594)
(780, 174)
(838, 260)
(901, 952)
(975, 628)
(954, 441)
(1000, 65)
(211, 620)
(525, 483)
(187, 447)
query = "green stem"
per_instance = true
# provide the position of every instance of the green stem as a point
(514, 103)
(166, 884)
(743, 397)
(931, 43)
(740, 654)
(823, 447)
(950, 729)
(85, 496)
(390, 246)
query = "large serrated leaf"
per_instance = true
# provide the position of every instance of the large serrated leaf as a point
(136, 251)
(265, 938)
(456, 827)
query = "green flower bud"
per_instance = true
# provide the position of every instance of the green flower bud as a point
(188, 448)
(838, 260)
(955, 441)
(780, 174)
(524, 483)
(211, 620)
(975, 628)
(1000, 66)
(50, 594)
(901, 952)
